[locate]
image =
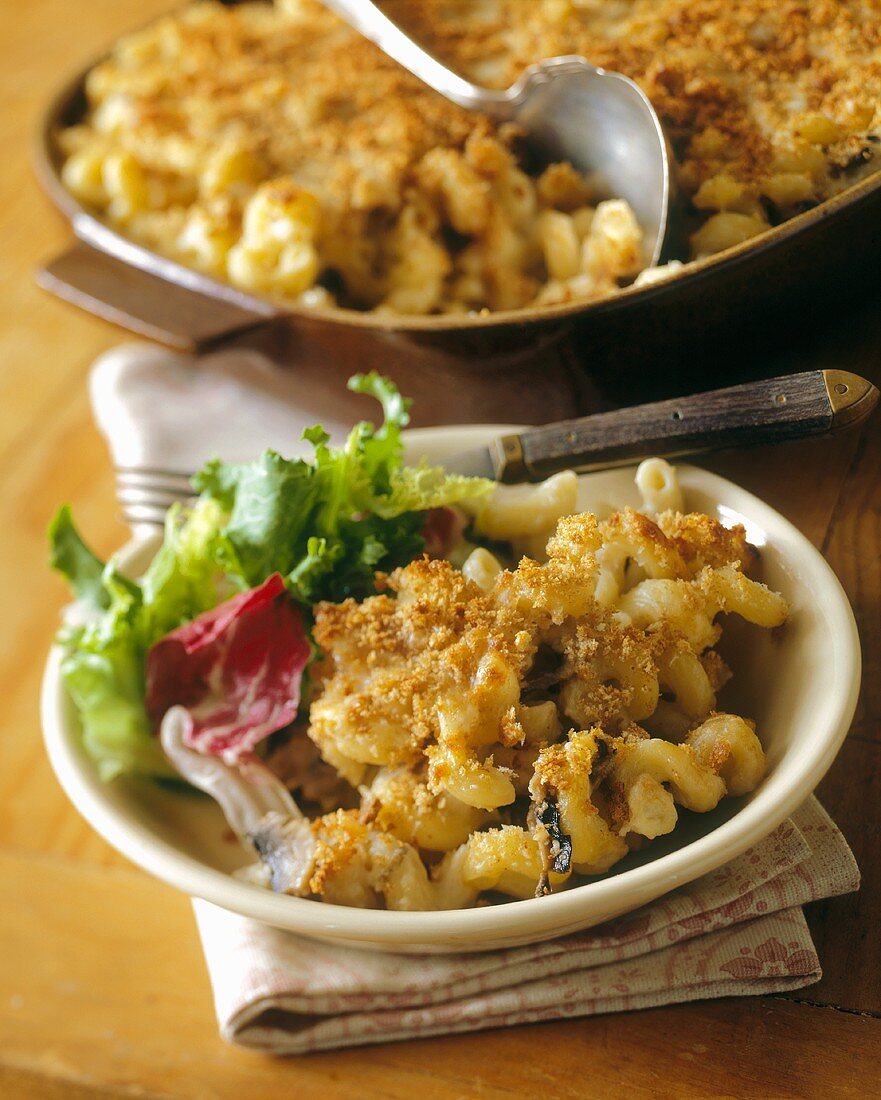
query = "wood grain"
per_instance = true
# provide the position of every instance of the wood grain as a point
(135, 1012)
(103, 990)
(852, 549)
(765, 411)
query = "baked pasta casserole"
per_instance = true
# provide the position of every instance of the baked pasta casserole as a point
(272, 147)
(275, 148)
(484, 731)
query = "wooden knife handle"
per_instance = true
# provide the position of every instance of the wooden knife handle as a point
(768, 411)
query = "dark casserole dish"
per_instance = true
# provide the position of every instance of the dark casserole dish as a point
(776, 218)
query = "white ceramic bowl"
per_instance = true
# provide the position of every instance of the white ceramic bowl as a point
(800, 684)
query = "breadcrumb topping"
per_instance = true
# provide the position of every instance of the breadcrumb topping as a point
(273, 147)
(732, 82)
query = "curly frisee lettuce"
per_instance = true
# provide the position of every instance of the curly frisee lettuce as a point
(325, 527)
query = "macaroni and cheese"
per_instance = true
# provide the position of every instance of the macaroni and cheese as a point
(770, 106)
(506, 730)
(273, 147)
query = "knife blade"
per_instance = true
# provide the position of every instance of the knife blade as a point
(768, 411)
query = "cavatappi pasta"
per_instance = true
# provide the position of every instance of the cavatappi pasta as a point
(505, 729)
(275, 148)
(272, 147)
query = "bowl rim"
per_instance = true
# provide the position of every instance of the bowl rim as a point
(93, 230)
(529, 919)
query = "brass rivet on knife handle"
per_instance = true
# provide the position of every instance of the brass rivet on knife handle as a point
(851, 397)
(506, 454)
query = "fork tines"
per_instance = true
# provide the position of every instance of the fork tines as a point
(146, 494)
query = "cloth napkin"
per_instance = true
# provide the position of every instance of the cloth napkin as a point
(169, 411)
(737, 931)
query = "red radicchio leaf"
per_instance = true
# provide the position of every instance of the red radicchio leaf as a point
(236, 669)
(442, 529)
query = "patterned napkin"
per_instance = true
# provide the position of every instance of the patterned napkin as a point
(737, 931)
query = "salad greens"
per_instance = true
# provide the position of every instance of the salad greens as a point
(326, 526)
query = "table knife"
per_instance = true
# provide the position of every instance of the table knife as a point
(768, 411)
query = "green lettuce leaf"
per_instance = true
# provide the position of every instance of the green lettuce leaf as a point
(329, 525)
(418, 488)
(103, 668)
(381, 448)
(103, 672)
(105, 680)
(81, 567)
(270, 503)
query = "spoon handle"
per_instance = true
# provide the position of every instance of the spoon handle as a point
(366, 18)
(766, 411)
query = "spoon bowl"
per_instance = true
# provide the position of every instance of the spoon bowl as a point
(605, 126)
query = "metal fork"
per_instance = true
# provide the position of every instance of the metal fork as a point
(145, 495)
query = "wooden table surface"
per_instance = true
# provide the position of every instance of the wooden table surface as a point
(103, 991)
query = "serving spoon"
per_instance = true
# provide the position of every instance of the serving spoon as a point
(599, 121)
